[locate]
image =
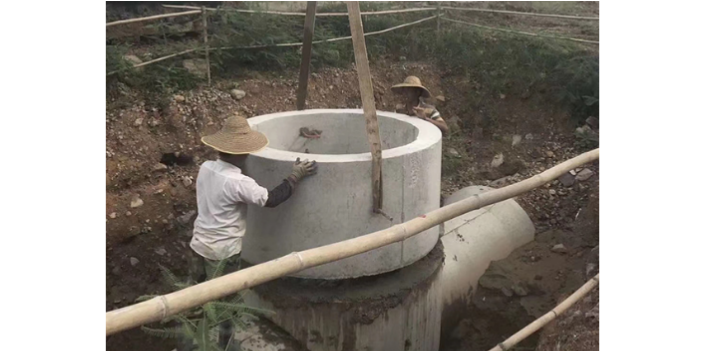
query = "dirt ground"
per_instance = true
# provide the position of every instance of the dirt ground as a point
(153, 151)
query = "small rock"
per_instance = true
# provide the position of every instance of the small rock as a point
(138, 121)
(550, 154)
(400, 107)
(567, 179)
(584, 175)
(593, 313)
(590, 269)
(506, 292)
(134, 261)
(454, 153)
(440, 98)
(198, 67)
(573, 173)
(238, 94)
(402, 58)
(187, 181)
(128, 213)
(160, 251)
(112, 215)
(520, 290)
(500, 182)
(136, 202)
(529, 137)
(498, 160)
(179, 98)
(516, 139)
(186, 218)
(133, 59)
(502, 96)
(159, 167)
(593, 122)
(454, 123)
(553, 192)
(117, 300)
(559, 248)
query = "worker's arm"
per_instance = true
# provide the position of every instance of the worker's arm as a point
(433, 116)
(282, 192)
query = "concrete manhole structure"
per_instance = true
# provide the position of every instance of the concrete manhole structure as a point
(391, 298)
(336, 204)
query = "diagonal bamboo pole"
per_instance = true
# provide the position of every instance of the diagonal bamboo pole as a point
(547, 317)
(163, 306)
(323, 14)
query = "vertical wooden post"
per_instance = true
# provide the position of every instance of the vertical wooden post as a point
(205, 40)
(367, 92)
(308, 29)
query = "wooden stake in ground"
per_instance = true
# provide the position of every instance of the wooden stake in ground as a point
(367, 92)
(205, 41)
(308, 29)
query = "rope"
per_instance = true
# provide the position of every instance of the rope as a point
(522, 33)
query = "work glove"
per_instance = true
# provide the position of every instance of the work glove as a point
(302, 169)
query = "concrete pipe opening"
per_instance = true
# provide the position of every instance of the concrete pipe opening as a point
(336, 204)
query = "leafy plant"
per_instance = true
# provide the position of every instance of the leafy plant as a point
(201, 326)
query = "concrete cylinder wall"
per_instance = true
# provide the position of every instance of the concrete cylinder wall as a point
(336, 204)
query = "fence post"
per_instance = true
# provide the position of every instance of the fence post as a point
(308, 28)
(205, 40)
(437, 19)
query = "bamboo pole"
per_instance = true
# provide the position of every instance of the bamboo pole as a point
(324, 14)
(366, 91)
(328, 40)
(158, 59)
(308, 28)
(173, 303)
(151, 18)
(205, 41)
(522, 13)
(547, 317)
(523, 33)
(437, 20)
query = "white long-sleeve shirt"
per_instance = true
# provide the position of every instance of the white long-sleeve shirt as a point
(223, 194)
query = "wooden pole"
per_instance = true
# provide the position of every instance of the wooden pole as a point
(205, 41)
(151, 18)
(548, 317)
(308, 29)
(176, 302)
(367, 92)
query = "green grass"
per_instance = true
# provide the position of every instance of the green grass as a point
(567, 72)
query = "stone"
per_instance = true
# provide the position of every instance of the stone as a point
(400, 107)
(567, 180)
(198, 67)
(516, 139)
(136, 202)
(454, 123)
(553, 192)
(584, 175)
(502, 96)
(134, 261)
(440, 98)
(138, 121)
(186, 218)
(520, 290)
(113, 215)
(550, 154)
(506, 292)
(498, 160)
(128, 213)
(238, 94)
(160, 251)
(529, 137)
(559, 248)
(593, 122)
(500, 182)
(590, 269)
(133, 59)
(179, 98)
(453, 153)
(187, 181)
(160, 167)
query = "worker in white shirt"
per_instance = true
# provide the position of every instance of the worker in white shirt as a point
(224, 192)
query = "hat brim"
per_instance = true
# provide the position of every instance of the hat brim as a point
(397, 87)
(229, 143)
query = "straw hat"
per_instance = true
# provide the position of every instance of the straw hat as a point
(236, 137)
(411, 82)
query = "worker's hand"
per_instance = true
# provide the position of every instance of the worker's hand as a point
(423, 113)
(303, 169)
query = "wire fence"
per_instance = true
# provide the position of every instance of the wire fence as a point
(193, 10)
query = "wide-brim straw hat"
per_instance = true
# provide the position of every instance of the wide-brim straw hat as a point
(411, 82)
(236, 137)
